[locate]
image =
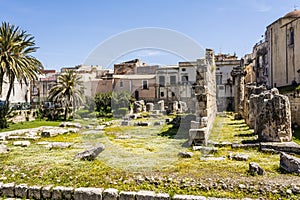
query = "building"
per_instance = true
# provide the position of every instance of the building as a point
(140, 82)
(276, 63)
(224, 82)
(41, 87)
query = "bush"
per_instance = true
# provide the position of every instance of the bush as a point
(83, 113)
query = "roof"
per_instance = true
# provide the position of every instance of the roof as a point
(134, 76)
(293, 14)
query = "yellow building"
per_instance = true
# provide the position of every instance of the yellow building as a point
(282, 62)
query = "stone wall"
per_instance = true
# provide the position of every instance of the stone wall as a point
(295, 106)
(205, 92)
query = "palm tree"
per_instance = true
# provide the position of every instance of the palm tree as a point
(67, 91)
(16, 60)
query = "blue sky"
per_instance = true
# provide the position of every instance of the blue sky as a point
(67, 31)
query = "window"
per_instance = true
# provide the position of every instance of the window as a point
(121, 84)
(292, 36)
(183, 69)
(185, 79)
(162, 80)
(145, 85)
(173, 94)
(162, 94)
(173, 80)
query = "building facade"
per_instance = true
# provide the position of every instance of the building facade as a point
(224, 82)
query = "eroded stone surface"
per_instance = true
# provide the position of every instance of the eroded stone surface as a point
(91, 153)
(255, 169)
(289, 163)
(88, 193)
(110, 194)
(272, 116)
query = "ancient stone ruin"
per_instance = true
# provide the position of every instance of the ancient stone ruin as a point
(205, 92)
(272, 116)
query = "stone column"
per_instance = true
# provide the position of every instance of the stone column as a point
(238, 75)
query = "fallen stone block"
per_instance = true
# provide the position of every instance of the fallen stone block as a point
(125, 195)
(90, 154)
(21, 191)
(205, 149)
(289, 163)
(4, 149)
(59, 145)
(22, 143)
(255, 169)
(238, 157)
(188, 197)
(185, 154)
(145, 195)
(110, 194)
(88, 193)
(213, 158)
(46, 192)
(198, 136)
(8, 190)
(34, 192)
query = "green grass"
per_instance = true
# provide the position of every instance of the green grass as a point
(146, 161)
(30, 124)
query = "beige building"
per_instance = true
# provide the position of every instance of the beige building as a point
(276, 60)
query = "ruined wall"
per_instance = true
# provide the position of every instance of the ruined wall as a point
(249, 115)
(294, 99)
(272, 116)
(206, 107)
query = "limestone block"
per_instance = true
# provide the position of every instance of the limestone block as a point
(195, 125)
(8, 189)
(88, 193)
(145, 195)
(198, 136)
(254, 169)
(162, 196)
(110, 194)
(90, 154)
(46, 192)
(4, 149)
(21, 143)
(272, 116)
(34, 192)
(21, 190)
(125, 195)
(289, 163)
(188, 197)
(60, 192)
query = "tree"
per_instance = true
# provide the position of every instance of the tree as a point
(67, 91)
(103, 103)
(17, 63)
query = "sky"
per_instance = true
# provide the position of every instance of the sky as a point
(67, 32)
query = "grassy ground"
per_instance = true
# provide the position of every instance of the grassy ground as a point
(30, 124)
(146, 160)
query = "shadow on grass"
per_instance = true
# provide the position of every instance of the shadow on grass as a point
(254, 141)
(245, 134)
